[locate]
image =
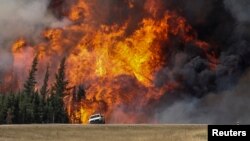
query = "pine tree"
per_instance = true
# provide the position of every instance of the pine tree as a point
(3, 109)
(44, 90)
(29, 85)
(9, 116)
(61, 82)
(57, 111)
(16, 109)
(50, 115)
(42, 110)
(22, 107)
(26, 106)
(10, 103)
(35, 108)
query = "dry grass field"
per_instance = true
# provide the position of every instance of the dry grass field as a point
(103, 133)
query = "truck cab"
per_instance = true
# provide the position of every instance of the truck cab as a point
(96, 119)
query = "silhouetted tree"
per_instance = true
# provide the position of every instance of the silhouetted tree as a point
(61, 83)
(16, 109)
(3, 109)
(29, 85)
(80, 94)
(59, 89)
(35, 108)
(28, 106)
(44, 90)
(9, 116)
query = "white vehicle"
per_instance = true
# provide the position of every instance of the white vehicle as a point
(96, 119)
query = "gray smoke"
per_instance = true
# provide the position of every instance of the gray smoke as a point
(22, 18)
(228, 107)
(214, 97)
(240, 9)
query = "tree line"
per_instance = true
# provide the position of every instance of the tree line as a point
(32, 105)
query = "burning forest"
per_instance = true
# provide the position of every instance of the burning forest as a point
(135, 61)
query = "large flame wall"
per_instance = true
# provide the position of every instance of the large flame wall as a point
(116, 62)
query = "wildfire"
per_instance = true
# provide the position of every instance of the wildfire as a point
(117, 68)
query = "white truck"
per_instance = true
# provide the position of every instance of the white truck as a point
(96, 119)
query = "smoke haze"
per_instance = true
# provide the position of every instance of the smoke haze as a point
(26, 19)
(219, 97)
(228, 107)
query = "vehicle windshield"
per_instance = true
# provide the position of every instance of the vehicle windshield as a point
(94, 116)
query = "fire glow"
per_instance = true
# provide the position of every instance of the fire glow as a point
(116, 64)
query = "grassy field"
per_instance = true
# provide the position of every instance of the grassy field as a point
(103, 133)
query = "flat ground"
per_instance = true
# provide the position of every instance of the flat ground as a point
(103, 132)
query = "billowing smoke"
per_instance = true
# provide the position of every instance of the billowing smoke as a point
(22, 18)
(239, 9)
(228, 107)
(216, 96)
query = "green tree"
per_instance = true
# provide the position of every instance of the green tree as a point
(9, 116)
(23, 104)
(42, 110)
(61, 83)
(26, 98)
(3, 109)
(16, 109)
(36, 108)
(57, 110)
(29, 85)
(10, 105)
(26, 103)
(44, 90)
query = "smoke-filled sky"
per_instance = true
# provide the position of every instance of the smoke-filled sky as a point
(228, 107)
(23, 18)
(20, 18)
(219, 96)
(227, 23)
